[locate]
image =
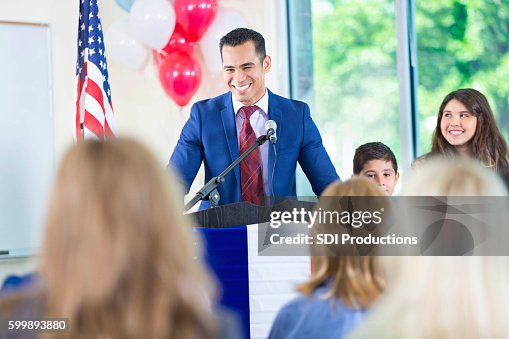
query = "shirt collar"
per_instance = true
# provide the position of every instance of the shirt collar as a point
(263, 103)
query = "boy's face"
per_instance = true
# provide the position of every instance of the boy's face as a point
(382, 173)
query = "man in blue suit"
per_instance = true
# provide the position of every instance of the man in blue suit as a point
(213, 130)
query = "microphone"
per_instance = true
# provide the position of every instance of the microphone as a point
(271, 127)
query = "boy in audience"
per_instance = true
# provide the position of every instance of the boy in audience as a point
(377, 162)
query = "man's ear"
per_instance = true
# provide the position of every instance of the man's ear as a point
(267, 62)
(397, 176)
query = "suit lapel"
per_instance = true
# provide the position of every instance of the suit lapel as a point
(276, 115)
(230, 131)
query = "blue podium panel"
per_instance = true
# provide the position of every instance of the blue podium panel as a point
(253, 286)
(226, 253)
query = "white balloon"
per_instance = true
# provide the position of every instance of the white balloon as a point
(153, 22)
(122, 46)
(226, 20)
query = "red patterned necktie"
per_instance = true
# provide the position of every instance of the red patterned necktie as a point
(251, 181)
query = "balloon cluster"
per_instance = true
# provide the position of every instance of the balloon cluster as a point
(172, 33)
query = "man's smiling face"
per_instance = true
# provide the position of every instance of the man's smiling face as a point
(244, 72)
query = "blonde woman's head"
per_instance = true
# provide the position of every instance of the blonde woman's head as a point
(118, 246)
(444, 296)
(458, 176)
(356, 280)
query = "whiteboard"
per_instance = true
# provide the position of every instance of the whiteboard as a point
(26, 135)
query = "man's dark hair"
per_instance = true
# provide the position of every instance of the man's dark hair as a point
(372, 151)
(241, 35)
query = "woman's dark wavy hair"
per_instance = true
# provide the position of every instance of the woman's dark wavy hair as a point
(488, 145)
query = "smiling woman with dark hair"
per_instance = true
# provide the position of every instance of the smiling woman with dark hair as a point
(466, 126)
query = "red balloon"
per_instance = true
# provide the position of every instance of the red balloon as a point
(194, 17)
(177, 42)
(180, 76)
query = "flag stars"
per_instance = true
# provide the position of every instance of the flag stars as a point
(91, 40)
(80, 42)
(99, 27)
(82, 27)
(90, 28)
(99, 40)
(91, 52)
(91, 15)
(100, 50)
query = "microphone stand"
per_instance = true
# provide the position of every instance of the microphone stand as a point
(209, 190)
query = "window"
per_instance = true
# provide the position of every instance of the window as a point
(343, 64)
(461, 44)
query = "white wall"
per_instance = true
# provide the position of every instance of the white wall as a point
(142, 109)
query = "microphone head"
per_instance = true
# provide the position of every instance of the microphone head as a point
(271, 124)
(271, 127)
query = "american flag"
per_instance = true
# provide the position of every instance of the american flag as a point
(94, 111)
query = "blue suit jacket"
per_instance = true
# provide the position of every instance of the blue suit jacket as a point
(210, 136)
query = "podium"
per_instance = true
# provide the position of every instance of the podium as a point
(254, 287)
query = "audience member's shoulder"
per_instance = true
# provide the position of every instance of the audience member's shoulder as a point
(19, 282)
(288, 317)
(421, 160)
(229, 324)
(23, 305)
(295, 307)
(504, 174)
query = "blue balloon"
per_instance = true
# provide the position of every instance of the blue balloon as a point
(125, 4)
